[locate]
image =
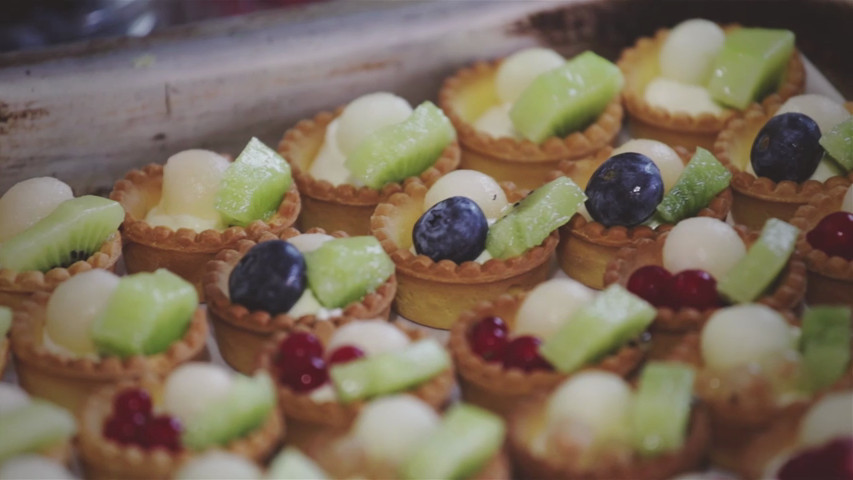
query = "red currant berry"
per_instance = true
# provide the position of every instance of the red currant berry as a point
(652, 283)
(488, 338)
(694, 288)
(125, 430)
(132, 401)
(345, 354)
(834, 235)
(299, 348)
(523, 353)
(305, 376)
(833, 460)
(163, 431)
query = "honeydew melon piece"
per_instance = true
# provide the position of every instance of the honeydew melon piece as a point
(661, 408)
(739, 335)
(598, 400)
(367, 114)
(756, 270)
(291, 464)
(750, 64)
(180, 390)
(36, 425)
(518, 71)
(253, 185)
(75, 305)
(344, 270)
(702, 243)
(566, 98)
(483, 189)
(29, 201)
(190, 181)
(838, 143)
(688, 53)
(825, 343)
(548, 306)
(390, 429)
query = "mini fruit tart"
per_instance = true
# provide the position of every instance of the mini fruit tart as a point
(783, 154)
(47, 235)
(325, 374)
(518, 117)
(684, 84)
(758, 375)
(297, 279)
(596, 426)
(33, 426)
(180, 215)
(147, 429)
(401, 436)
(463, 241)
(702, 264)
(97, 329)
(640, 190)
(826, 243)
(346, 162)
(511, 348)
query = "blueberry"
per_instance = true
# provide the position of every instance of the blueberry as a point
(271, 277)
(787, 148)
(624, 190)
(453, 229)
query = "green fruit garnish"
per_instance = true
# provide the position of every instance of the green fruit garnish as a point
(614, 317)
(825, 343)
(32, 427)
(244, 408)
(567, 98)
(750, 64)
(531, 221)
(702, 179)
(389, 372)
(73, 231)
(254, 185)
(344, 270)
(146, 314)
(662, 408)
(838, 143)
(291, 464)
(753, 273)
(404, 150)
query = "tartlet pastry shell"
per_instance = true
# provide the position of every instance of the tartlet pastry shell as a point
(436, 293)
(491, 386)
(531, 465)
(68, 381)
(104, 459)
(15, 287)
(184, 251)
(587, 246)
(830, 279)
(241, 333)
(758, 198)
(670, 325)
(343, 207)
(308, 419)
(640, 65)
(522, 162)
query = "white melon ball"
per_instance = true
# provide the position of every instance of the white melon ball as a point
(157, 218)
(477, 186)
(739, 335)
(519, 70)
(29, 201)
(31, 466)
(675, 96)
(391, 428)
(181, 391)
(667, 161)
(829, 418)
(496, 122)
(550, 305)
(369, 113)
(191, 180)
(219, 465)
(371, 336)
(826, 112)
(690, 49)
(74, 307)
(703, 243)
(306, 305)
(600, 401)
(330, 162)
(308, 242)
(12, 398)
(847, 201)
(826, 168)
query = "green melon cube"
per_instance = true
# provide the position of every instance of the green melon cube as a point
(344, 270)
(838, 143)
(661, 410)
(825, 343)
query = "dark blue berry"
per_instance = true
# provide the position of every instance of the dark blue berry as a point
(271, 277)
(624, 190)
(453, 229)
(787, 148)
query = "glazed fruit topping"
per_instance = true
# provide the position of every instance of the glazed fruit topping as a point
(271, 277)
(834, 235)
(833, 461)
(787, 148)
(453, 229)
(132, 401)
(300, 362)
(345, 354)
(162, 431)
(132, 423)
(489, 338)
(624, 190)
(652, 284)
(523, 353)
(687, 289)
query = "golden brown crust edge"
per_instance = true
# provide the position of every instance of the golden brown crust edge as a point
(806, 218)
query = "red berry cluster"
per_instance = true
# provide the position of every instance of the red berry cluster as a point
(133, 423)
(834, 235)
(833, 460)
(301, 363)
(489, 338)
(686, 289)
